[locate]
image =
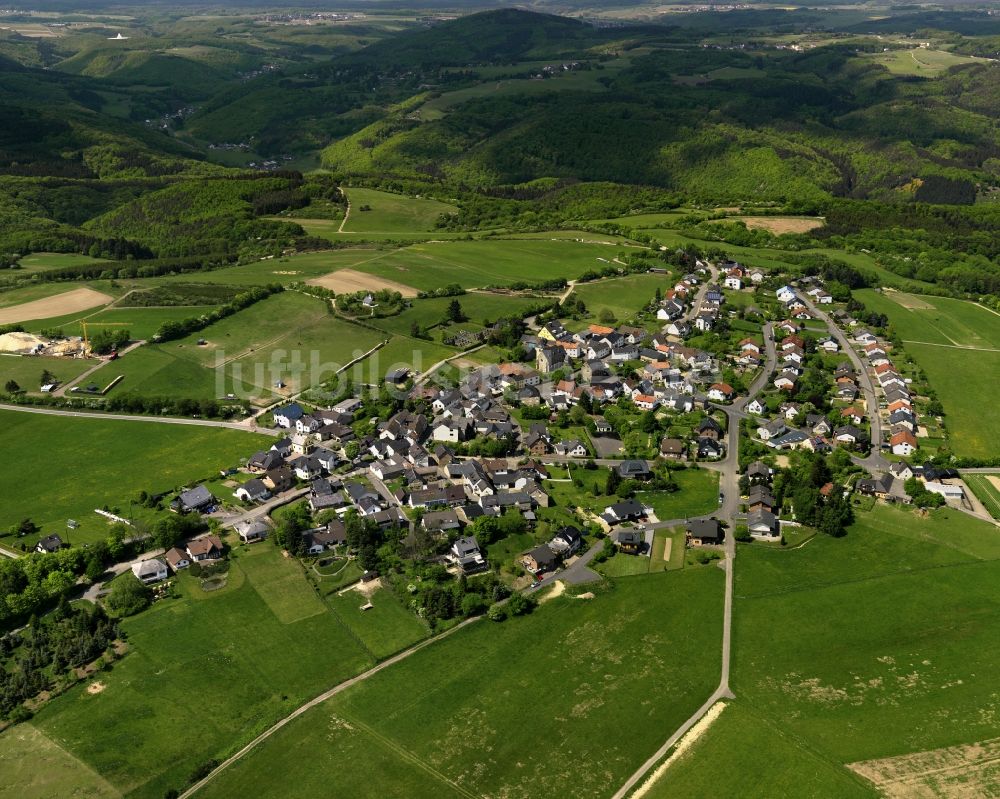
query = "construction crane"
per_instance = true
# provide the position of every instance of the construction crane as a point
(86, 336)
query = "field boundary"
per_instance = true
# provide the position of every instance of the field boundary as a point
(318, 700)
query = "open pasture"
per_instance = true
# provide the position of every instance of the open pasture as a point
(141, 323)
(623, 296)
(41, 261)
(34, 766)
(922, 61)
(374, 211)
(478, 307)
(107, 463)
(386, 627)
(289, 337)
(744, 740)
(214, 670)
(473, 264)
(936, 320)
(878, 644)
(630, 668)
(67, 302)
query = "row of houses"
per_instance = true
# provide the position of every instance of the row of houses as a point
(896, 392)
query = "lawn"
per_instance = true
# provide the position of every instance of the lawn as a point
(392, 213)
(202, 677)
(476, 714)
(698, 495)
(745, 741)
(27, 371)
(67, 467)
(986, 490)
(878, 644)
(622, 565)
(954, 342)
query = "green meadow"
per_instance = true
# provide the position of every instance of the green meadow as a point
(743, 740)
(392, 213)
(623, 296)
(90, 463)
(205, 673)
(477, 713)
(877, 644)
(281, 338)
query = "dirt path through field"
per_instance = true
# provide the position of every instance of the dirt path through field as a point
(690, 739)
(59, 305)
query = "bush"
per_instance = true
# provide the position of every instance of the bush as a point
(497, 612)
(520, 604)
(203, 771)
(128, 595)
(473, 604)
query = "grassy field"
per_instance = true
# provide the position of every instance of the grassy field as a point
(27, 372)
(986, 490)
(957, 344)
(443, 722)
(472, 264)
(392, 213)
(745, 741)
(698, 495)
(623, 296)
(67, 467)
(385, 628)
(42, 261)
(878, 644)
(922, 61)
(205, 673)
(141, 323)
(477, 307)
(254, 348)
(33, 765)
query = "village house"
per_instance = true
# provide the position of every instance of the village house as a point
(704, 532)
(208, 547)
(150, 571)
